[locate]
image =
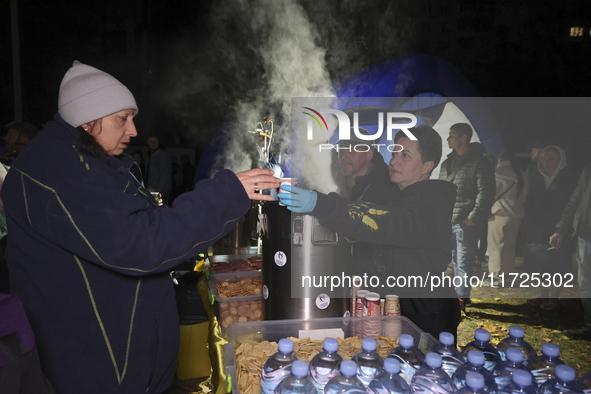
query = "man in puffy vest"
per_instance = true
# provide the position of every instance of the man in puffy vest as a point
(474, 175)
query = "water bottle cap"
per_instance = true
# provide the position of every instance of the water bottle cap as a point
(516, 332)
(550, 349)
(392, 366)
(565, 373)
(348, 368)
(476, 357)
(285, 346)
(514, 355)
(406, 341)
(474, 380)
(299, 369)
(521, 377)
(446, 338)
(433, 360)
(369, 345)
(481, 335)
(362, 293)
(330, 345)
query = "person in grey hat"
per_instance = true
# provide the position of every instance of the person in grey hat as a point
(89, 251)
(18, 135)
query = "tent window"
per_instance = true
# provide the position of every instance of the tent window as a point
(576, 31)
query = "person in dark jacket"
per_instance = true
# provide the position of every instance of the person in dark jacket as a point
(409, 232)
(576, 221)
(549, 192)
(90, 250)
(474, 175)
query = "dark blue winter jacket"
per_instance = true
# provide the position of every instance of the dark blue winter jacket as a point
(89, 254)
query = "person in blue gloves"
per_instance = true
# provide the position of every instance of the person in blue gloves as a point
(409, 231)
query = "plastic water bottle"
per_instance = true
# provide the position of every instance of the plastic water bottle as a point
(297, 382)
(584, 383)
(325, 365)
(410, 358)
(431, 379)
(346, 381)
(369, 362)
(474, 384)
(563, 384)
(277, 367)
(521, 384)
(388, 381)
(475, 363)
(543, 367)
(482, 344)
(504, 370)
(450, 355)
(515, 340)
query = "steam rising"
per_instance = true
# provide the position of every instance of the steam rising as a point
(260, 54)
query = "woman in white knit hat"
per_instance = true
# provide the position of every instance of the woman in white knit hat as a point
(89, 250)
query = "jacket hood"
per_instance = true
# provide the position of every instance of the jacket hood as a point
(562, 164)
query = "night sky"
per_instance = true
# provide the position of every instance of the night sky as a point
(189, 63)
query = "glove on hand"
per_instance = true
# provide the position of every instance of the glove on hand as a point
(299, 200)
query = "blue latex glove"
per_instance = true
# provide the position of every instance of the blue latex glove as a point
(299, 200)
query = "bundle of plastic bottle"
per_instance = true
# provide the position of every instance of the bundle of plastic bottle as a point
(369, 362)
(481, 343)
(411, 359)
(346, 381)
(584, 383)
(475, 363)
(521, 384)
(297, 382)
(564, 383)
(450, 355)
(543, 367)
(504, 370)
(389, 381)
(278, 366)
(474, 384)
(515, 340)
(325, 365)
(431, 379)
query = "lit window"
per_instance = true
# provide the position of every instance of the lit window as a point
(576, 31)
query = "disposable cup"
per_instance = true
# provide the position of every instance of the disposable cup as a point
(286, 181)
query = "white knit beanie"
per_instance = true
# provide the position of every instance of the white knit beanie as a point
(88, 94)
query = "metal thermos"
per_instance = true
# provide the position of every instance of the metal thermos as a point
(297, 245)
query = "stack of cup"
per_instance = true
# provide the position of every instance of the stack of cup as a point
(359, 304)
(392, 328)
(372, 326)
